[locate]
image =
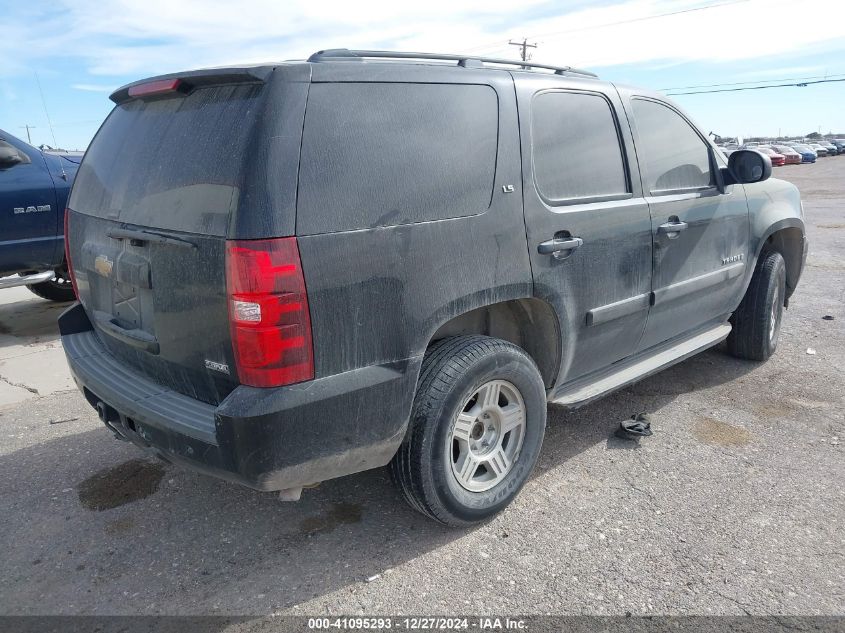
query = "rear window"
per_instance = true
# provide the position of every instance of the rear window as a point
(382, 154)
(172, 163)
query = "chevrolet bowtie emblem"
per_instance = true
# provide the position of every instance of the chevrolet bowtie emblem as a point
(103, 265)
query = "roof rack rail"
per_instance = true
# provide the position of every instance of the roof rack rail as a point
(468, 61)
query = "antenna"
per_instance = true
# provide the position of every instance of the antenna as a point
(49, 123)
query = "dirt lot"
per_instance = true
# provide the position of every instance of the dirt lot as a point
(735, 505)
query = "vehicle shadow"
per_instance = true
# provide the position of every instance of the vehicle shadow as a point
(83, 535)
(25, 318)
(125, 525)
(571, 432)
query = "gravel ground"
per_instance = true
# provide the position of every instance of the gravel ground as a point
(735, 504)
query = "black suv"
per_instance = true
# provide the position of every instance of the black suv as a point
(298, 271)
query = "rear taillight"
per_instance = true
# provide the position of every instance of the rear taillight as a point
(158, 87)
(67, 254)
(268, 312)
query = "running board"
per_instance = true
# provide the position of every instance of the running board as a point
(581, 393)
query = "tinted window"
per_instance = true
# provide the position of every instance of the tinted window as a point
(378, 154)
(671, 153)
(576, 146)
(11, 150)
(172, 163)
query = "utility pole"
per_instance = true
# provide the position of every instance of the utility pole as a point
(28, 128)
(524, 45)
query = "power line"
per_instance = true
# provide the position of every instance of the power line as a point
(744, 83)
(632, 20)
(647, 17)
(803, 84)
(77, 123)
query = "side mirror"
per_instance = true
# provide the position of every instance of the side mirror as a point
(746, 166)
(9, 157)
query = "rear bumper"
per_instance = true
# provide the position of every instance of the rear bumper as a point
(13, 281)
(266, 439)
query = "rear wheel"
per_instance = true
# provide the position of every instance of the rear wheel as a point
(476, 429)
(59, 288)
(756, 323)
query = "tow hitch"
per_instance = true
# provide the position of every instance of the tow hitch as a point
(111, 418)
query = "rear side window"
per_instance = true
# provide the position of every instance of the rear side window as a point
(172, 163)
(672, 154)
(576, 147)
(15, 156)
(382, 154)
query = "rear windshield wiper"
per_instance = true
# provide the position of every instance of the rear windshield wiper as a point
(138, 237)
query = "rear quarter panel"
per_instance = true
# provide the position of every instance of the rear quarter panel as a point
(377, 295)
(63, 173)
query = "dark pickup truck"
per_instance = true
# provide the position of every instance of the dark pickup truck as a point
(34, 186)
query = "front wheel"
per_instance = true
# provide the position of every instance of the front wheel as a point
(476, 429)
(59, 288)
(756, 323)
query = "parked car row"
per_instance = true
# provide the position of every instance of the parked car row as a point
(792, 152)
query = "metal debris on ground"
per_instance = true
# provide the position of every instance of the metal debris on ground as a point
(63, 420)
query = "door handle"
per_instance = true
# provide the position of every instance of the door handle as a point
(559, 247)
(673, 227)
(135, 338)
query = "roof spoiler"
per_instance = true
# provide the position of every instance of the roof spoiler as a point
(184, 83)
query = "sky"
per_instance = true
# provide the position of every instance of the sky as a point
(75, 52)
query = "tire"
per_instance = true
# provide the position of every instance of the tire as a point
(756, 323)
(59, 288)
(461, 471)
